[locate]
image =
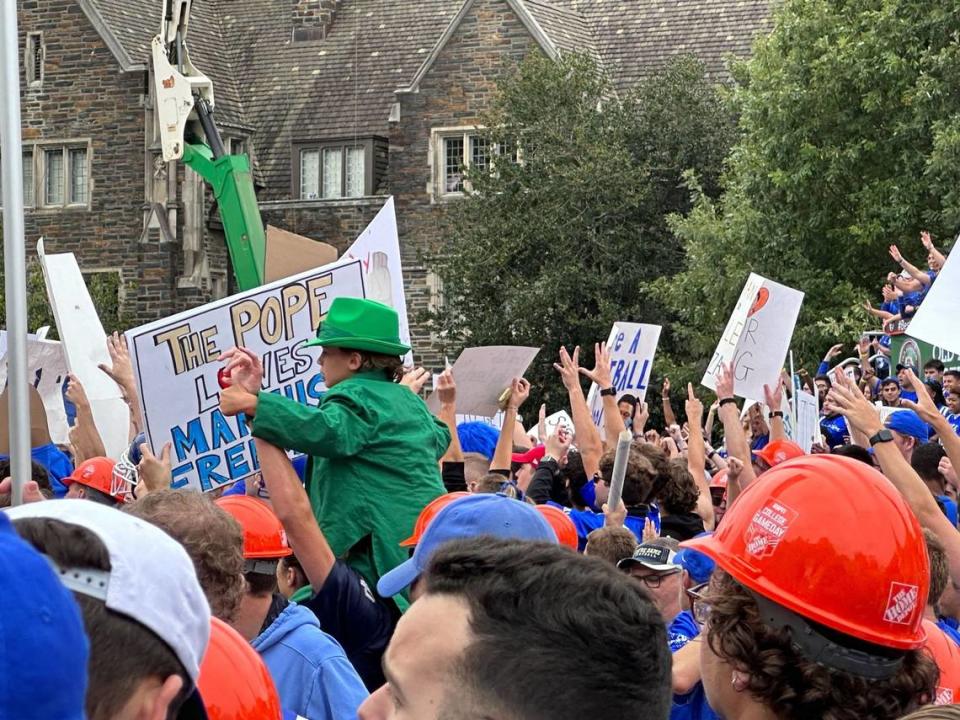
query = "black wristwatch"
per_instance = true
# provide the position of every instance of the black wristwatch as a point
(883, 435)
(775, 413)
(608, 392)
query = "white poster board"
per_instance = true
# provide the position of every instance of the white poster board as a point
(757, 336)
(632, 347)
(47, 372)
(85, 347)
(482, 373)
(808, 420)
(378, 248)
(557, 420)
(176, 361)
(936, 319)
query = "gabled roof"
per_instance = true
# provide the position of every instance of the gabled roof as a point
(519, 8)
(569, 31)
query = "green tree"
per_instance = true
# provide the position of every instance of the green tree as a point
(560, 234)
(850, 141)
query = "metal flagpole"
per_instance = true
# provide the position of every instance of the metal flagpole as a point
(15, 273)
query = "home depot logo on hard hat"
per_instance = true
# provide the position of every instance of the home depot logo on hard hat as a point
(902, 603)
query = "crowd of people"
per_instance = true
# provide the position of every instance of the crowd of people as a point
(407, 565)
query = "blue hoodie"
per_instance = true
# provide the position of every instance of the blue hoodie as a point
(313, 676)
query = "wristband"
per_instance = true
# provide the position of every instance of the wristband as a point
(711, 453)
(724, 401)
(775, 413)
(608, 392)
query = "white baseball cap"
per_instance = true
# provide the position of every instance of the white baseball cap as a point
(151, 579)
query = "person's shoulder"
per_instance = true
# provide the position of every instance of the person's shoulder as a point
(307, 637)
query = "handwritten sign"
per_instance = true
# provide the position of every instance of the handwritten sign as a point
(757, 336)
(482, 373)
(808, 420)
(176, 361)
(632, 347)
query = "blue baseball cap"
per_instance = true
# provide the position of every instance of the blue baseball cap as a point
(39, 622)
(481, 514)
(907, 422)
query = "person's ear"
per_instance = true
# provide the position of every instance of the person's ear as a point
(355, 361)
(158, 702)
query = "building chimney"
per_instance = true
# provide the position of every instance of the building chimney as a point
(312, 19)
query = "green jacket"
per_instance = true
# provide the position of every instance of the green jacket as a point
(374, 449)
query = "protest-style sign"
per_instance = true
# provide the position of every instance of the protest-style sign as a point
(808, 420)
(85, 347)
(886, 411)
(482, 373)
(176, 361)
(757, 336)
(289, 254)
(378, 248)
(632, 347)
(553, 422)
(47, 372)
(935, 319)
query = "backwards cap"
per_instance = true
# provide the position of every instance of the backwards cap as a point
(151, 579)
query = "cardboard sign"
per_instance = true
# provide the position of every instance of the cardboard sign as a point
(808, 420)
(85, 347)
(39, 433)
(291, 254)
(378, 248)
(757, 336)
(632, 347)
(483, 373)
(47, 371)
(935, 321)
(176, 361)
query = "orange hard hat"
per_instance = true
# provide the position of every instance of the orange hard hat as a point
(778, 451)
(263, 533)
(946, 655)
(234, 683)
(719, 479)
(562, 525)
(828, 539)
(97, 473)
(428, 514)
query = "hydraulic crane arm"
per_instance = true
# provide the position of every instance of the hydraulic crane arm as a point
(184, 105)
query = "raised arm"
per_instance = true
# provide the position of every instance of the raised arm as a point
(736, 440)
(773, 396)
(588, 437)
(120, 371)
(916, 273)
(613, 424)
(292, 506)
(447, 393)
(668, 417)
(697, 457)
(502, 456)
(84, 435)
(928, 244)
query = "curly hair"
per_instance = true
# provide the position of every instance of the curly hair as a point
(661, 467)
(795, 688)
(680, 495)
(639, 480)
(391, 366)
(211, 537)
(939, 567)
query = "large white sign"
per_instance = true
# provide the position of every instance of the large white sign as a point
(378, 248)
(632, 347)
(176, 361)
(936, 319)
(808, 420)
(85, 347)
(482, 374)
(757, 336)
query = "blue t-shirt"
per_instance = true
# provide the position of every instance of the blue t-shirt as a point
(682, 630)
(586, 521)
(908, 395)
(954, 420)
(759, 442)
(57, 463)
(834, 427)
(692, 706)
(950, 508)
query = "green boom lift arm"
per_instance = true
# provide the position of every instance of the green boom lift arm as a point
(184, 107)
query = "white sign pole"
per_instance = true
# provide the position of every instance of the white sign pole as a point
(15, 267)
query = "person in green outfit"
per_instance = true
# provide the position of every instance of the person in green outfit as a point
(374, 447)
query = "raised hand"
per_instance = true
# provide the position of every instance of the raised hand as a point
(447, 387)
(895, 254)
(75, 392)
(665, 390)
(243, 368)
(415, 379)
(846, 398)
(833, 352)
(155, 472)
(694, 408)
(519, 392)
(600, 374)
(120, 369)
(925, 239)
(725, 381)
(558, 444)
(924, 406)
(641, 413)
(569, 367)
(773, 396)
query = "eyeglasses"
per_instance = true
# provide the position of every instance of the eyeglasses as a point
(653, 581)
(699, 607)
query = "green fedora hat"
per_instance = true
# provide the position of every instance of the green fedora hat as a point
(359, 324)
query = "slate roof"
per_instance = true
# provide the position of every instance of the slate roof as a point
(343, 86)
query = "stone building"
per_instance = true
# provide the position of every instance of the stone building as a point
(338, 102)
